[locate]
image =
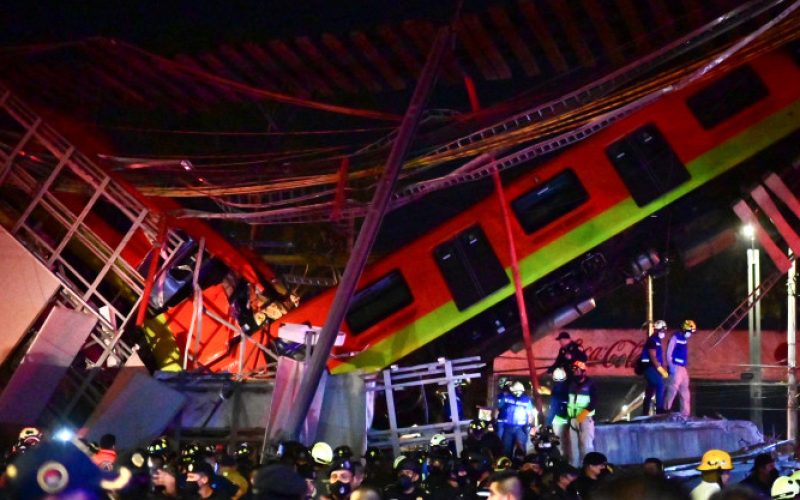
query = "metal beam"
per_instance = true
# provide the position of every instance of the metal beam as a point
(367, 235)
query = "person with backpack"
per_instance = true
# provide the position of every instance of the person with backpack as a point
(651, 367)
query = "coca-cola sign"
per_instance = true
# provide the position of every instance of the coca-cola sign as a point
(617, 354)
(613, 353)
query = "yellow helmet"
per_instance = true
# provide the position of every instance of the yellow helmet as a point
(689, 326)
(502, 463)
(796, 476)
(29, 432)
(785, 488)
(715, 460)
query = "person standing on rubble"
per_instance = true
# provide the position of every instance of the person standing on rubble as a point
(575, 427)
(652, 367)
(569, 351)
(677, 361)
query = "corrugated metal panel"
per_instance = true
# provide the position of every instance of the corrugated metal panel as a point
(511, 35)
(541, 32)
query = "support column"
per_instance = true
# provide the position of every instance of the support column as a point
(649, 284)
(367, 235)
(754, 329)
(791, 331)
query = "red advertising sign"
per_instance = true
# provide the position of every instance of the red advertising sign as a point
(613, 353)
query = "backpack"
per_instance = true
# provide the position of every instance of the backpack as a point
(639, 367)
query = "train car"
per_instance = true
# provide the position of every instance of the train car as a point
(562, 209)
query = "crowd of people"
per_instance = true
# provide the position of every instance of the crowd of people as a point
(74, 469)
(504, 458)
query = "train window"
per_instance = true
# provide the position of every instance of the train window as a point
(548, 201)
(377, 301)
(647, 164)
(794, 50)
(735, 92)
(470, 267)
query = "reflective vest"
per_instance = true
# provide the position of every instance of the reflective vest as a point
(581, 397)
(516, 409)
(680, 352)
(653, 342)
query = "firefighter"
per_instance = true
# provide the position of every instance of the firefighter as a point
(715, 467)
(561, 370)
(577, 423)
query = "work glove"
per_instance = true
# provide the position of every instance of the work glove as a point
(582, 416)
(663, 372)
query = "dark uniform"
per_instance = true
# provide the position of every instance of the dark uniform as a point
(566, 356)
(655, 381)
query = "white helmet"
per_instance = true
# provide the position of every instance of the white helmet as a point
(517, 388)
(785, 488)
(438, 440)
(559, 374)
(660, 325)
(322, 453)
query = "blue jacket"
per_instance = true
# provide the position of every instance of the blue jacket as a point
(653, 342)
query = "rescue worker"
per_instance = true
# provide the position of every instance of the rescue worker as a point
(677, 361)
(563, 475)
(561, 370)
(228, 470)
(407, 486)
(278, 481)
(439, 447)
(106, 455)
(504, 387)
(519, 416)
(595, 466)
(341, 478)
(579, 416)
(322, 453)
(763, 475)
(785, 488)
(715, 467)
(654, 372)
(653, 467)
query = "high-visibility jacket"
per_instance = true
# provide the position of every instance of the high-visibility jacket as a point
(582, 396)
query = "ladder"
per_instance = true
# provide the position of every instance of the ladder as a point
(738, 314)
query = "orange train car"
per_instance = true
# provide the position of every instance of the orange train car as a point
(562, 209)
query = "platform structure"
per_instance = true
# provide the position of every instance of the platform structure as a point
(442, 372)
(673, 438)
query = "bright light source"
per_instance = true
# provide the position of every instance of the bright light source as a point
(748, 231)
(187, 165)
(624, 407)
(64, 435)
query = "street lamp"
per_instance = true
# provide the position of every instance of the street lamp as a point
(754, 326)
